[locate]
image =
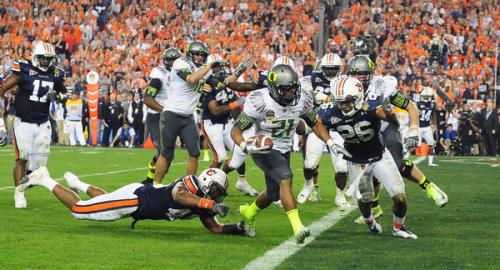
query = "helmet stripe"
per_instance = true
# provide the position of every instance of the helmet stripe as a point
(340, 91)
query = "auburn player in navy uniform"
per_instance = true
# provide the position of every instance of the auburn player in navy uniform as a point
(365, 151)
(426, 105)
(330, 66)
(38, 81)
(218, 103)
(187, 197)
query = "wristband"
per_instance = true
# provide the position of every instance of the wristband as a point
(205, 203)
(233, 105)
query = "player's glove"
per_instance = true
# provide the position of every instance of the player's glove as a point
(411, 141)
(241, 67)
(52, 95)
(254, 149)
(337, 149)
(3, 138)
(221, 209)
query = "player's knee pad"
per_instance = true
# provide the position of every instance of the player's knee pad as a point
(168, 154)
(406, 169)
(310, 173)
(311, 161)
(366, 197)
(399, 199)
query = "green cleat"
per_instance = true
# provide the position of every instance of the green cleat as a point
(436, 194)
(248, 223)
(301, 235)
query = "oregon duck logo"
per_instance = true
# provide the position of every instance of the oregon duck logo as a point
(271, 77)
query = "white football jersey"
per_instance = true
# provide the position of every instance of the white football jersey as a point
(182, 96)
(163, 75)
(306, 84)
(381, 87)
(273, 120)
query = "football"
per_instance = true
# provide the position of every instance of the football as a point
(261, 141)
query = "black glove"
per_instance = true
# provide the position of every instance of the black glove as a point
(221, 209)
(52, 95)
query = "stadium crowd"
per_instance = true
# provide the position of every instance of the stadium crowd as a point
(123, 41)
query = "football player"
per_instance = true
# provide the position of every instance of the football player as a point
(38, 80)
(426, 106)
(366, 153)
(219, 102)
(177, 118)
(378, 89)
(330, 66)
(155, 97)
(276, 110)
(184, 198)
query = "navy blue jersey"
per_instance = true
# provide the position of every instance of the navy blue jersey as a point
(260, 79)
(31, 103)
(158, 202)
(360, 132)
(426, 110)
(223, 96)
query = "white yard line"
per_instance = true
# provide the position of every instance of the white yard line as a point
(103, 173)
(274, 257)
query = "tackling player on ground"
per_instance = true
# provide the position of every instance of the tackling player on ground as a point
(187, 197)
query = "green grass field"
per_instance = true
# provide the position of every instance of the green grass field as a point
(463, 235)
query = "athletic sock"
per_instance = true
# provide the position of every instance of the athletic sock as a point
(151, 171)
(293, 216)
(431, 159)
(398, 222)
(252, 210)
(375, 201)
(424, 183)
(48, 183)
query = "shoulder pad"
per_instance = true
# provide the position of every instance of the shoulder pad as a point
(190, 183)
(256, 100)
(157, 73)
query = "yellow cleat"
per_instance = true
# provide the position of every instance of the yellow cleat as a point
(249, 223)
(436, 194)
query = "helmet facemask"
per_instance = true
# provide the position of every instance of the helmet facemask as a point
(44, 62)
(284, 85)
(330, 72)
(214, 191)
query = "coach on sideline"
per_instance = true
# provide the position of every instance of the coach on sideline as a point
(177, 118)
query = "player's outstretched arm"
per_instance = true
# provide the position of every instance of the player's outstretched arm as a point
(213, 225)
(185, 198)
(217, 109)
(8, 83)
(388, 116)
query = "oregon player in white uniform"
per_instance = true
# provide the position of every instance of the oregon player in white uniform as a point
(156, 95)
(275, 111)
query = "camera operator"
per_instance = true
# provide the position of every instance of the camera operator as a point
(467, 130)
(438, 54)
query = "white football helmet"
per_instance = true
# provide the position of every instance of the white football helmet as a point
(43, 56)
(427, 94)
(213, 183)
(214, 58)
(331, 65)
(345, 90)
(284, 60)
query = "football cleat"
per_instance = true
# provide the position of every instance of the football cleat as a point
(315, 196)
(341, 201)
(375, 227)
(278, 204)
(435, 193)
(19, 200)
(376, 213)
(403, 233)
(244, 187)
(306, 191)
(248, 223)
(301, 235)
(72, 181)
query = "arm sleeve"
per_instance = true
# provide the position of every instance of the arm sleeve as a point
(153, 87)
